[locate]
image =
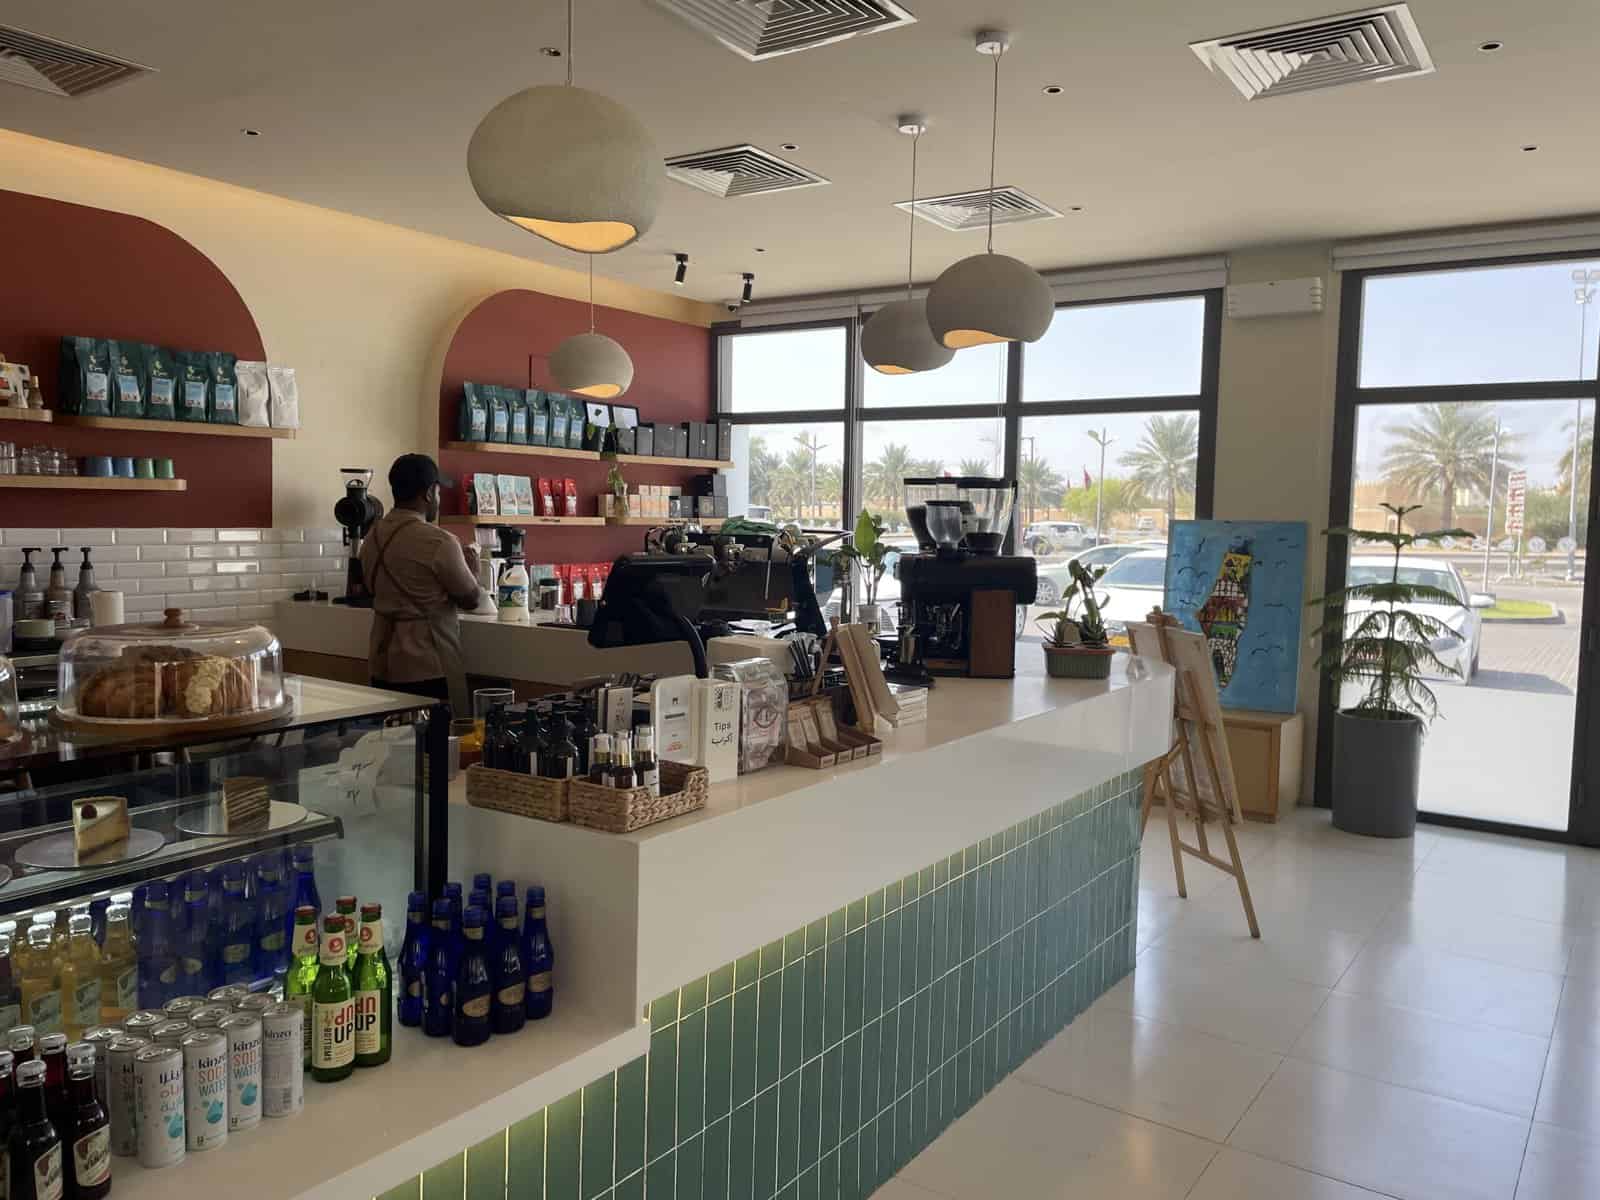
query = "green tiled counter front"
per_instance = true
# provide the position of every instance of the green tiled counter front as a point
(816, 1066)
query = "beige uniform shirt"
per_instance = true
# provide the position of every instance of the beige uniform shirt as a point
(423, 570)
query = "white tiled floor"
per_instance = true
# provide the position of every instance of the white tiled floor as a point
(1421, 1020)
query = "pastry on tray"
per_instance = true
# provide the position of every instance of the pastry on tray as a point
(100, 828)
(149, 682)
(246, 804)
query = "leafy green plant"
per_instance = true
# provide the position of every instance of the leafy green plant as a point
(1388, 648)
(867, 551)
(1062, 628)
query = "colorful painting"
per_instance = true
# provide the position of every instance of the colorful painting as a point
(1241, 585)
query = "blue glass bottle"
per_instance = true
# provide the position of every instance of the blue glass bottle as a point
(157, 960)
(272, 949)
(194, 963)
(305, 888)
(238, 930)
(483, 882)
(506, 887)
(510, 983)
(482, 898)
(439, 1012)
(414, 960)
(474, 995)
(538, 958)
(97, 918)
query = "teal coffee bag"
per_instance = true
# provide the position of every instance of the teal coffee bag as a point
(224, 399)
(472, 417)
(160, 383)
(538, 418)
(127, 390)
(499, 414)
(518, 400)
(194, 384)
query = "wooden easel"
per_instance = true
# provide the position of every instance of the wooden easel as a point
(1198, 736)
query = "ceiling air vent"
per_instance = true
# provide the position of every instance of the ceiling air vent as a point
(1372, 45)
(761, 29)
(60, 68)
(970, 210)
(740, 171)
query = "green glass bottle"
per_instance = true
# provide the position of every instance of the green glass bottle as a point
(345, 906)
(374, 992)
(302, 976)
(333, 1009)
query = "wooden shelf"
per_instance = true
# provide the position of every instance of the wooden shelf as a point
(481, 519)
(654, 460)
(139, 425)
(93, 483)
(42, 415)
(705, 522)
(530, 451)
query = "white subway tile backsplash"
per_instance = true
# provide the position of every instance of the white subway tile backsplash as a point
(176, 585)
(143, 604)
(262, 551)
(245, 596)
(178, 570)
(282, 536)
(256, 612)
(213, 552)
(238, 568)
(335, 549)
(160, 553)
(141, 537)
(214, 583)
(238, 535)
(114, 554)
(137, 571)
(190, 536)
(269, 581)
(87, 537)
(32, 537)
(273, 595)
(324, 535)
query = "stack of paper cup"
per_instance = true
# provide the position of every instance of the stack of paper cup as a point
(106, 608)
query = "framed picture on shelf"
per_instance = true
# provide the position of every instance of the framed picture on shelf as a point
(625, 425)
(596, 425)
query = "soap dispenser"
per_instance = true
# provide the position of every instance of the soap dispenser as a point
(83, 594)
(57, 596)
(30, 596)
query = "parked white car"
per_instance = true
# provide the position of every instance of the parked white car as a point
(1055, 537)
(1056, 577)
(1130, 588)
(1462, 648)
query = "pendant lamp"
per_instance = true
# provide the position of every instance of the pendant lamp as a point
(990, 297)
(591, 364)
(896, 339)
(568, 164)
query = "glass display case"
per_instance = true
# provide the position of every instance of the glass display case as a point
(10, 716)
(208, 839)
(170, 672)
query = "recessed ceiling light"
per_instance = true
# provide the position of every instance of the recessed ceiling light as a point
(761, 249)
(1490, 47)
(789, 146)
(251, 132)
(550, 51)
(1529, 149)
(1055, 89)
(1075, 208)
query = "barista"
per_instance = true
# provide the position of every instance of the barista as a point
(421, 577)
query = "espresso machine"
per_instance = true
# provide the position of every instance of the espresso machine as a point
(357, 511)
(958, 594)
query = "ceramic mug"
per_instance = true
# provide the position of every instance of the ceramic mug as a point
(144, 468)
(98, 465)
(164, 469)
(124, 467)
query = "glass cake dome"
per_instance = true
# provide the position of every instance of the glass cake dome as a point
(171, 670)
(10, 721)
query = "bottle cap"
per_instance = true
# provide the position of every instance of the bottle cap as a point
(474, 918)
(506, 888)
(371, 911)
(453, 889)
(442, 909)
(39, 937)
(415, 901)
(536, 896)
(30, 1074)
(482, 881)
(478, 899)
(20, 1038)
(80, 1054)
(345, 904)
(303, 853)
(505, 907)
(79, 923)
(304, 913)
(52, 1043)
(6, 1059)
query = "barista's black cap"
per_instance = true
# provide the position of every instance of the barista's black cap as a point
(414, 474)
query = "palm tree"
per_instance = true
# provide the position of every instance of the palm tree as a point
(974, 466)
(1165, 460)
(1038, 485)
(830, 490)
(1446, 448)
(926, 466)
(885, 476)
(762, 463)
(1585, 457)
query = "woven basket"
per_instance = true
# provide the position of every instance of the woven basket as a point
(1078, 662)
(618, 810)
(516, 793)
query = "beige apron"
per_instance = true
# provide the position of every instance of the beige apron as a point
(443, 627)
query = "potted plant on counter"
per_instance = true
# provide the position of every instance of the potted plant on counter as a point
(867, 552)
(1077, 647)
(1374, 642)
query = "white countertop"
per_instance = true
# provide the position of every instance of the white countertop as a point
(535, 653)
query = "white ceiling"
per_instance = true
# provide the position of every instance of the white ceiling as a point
(367, 107)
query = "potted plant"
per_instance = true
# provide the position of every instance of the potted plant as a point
(1077, 647)
(867, 551)
(1385, 649)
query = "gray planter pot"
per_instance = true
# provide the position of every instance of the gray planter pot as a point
(1377, 771)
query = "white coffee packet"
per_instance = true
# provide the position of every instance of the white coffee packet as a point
(252, 380)
(285, 397)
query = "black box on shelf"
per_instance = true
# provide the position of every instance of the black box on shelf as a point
(720, 506)
(705, 506)
(685, 440)
(708, 441)
(725, 440)
(644, 439)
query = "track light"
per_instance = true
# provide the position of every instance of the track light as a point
(683, 269)
(749, 285)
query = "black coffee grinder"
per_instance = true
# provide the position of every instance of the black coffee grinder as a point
(959, 595)
(357, 512)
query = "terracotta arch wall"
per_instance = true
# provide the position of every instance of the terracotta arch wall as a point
(75, 270)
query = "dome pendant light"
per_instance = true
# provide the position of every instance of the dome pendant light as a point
(568, 164)
(591, 364)
(990, 297)
(896, 339)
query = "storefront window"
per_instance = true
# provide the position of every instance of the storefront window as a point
(784, 370)
(975, 376)
(1101, 351)
(788, 473)
(892, 450)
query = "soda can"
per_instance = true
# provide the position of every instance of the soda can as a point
(170, 1032)
(205, 1088)
(254, 1002)
(179, 1007)
(229, 994)
(100, 1037)
(121, 1079)
(209, 1016)
(243, 1031)
(140, 1024)
(158, 1105)
(283, 1060)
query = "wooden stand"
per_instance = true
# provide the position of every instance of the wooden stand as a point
(1204, 794)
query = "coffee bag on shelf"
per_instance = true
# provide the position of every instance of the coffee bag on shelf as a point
(538, 418)
(472, 417)
(194, 384)
(127, 396)
(517, 400)
(499, 414)
(160, 383)
(254, 402)
(224, 400)
(284, 397)
(86, 376)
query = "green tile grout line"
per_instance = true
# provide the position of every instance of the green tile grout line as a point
(978, 959)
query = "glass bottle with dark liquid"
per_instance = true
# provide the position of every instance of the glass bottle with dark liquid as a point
(34, 1147)
(560, 761)
(528, 743)
(88, 1159)
(600, 760)
(538, 958)
(622, 774)
(474, 986)
(645, 765)
(510, 984)
(414, 961)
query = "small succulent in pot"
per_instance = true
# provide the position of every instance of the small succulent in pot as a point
(1062, 627)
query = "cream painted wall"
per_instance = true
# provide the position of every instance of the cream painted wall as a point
(357, 307)
(1275, 424)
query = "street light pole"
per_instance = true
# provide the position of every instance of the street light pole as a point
(1584, 294)
(1488, 529)
(1103, 439)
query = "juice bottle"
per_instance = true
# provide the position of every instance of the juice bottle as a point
(35, 1147)
(119, 972)
(10, 1001)
(88, 1130)
(80, 978)
(41, 985)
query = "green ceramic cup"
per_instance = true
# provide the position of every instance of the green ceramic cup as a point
(164, 469)
(144, 468)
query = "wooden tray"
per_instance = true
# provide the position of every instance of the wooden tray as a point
(518, 794)
(622, 810)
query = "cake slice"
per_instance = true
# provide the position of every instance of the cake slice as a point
(99, 824)
(246, 804)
